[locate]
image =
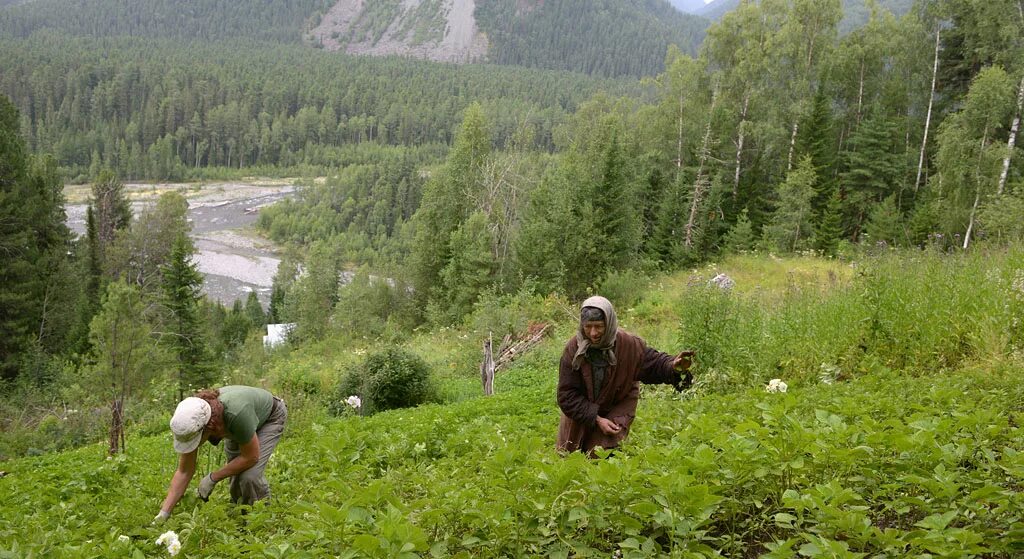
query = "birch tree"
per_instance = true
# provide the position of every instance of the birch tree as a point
(969, 155)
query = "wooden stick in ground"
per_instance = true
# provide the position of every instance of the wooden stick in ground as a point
(487, 368)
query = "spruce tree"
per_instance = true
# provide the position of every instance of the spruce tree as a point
(35, 279)
(741, 236)
(830, 228)
(181, 286)
(792, 225)
(817, 140)
(885, 224)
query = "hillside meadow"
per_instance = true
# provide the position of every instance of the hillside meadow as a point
(899, 435)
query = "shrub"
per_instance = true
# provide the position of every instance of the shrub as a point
(623, 288)
(389, 379)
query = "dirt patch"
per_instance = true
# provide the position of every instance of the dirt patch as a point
(462, 41)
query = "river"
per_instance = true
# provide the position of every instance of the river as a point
(233, 259)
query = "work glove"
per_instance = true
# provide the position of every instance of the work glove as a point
(161, 518)
(206, 487)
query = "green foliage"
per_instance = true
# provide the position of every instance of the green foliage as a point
(447, 243)
(741, 236)
(370, 306)
(874, 167)
(930, 403)
(125, 355)
(311, 299)
(182, 283)
(601, 37)
(999, 219)
(623, 288)
(166, 109)
(387, 379)
(969, 157)
(34, 241)
(885, 224)
(792, 226)
(830, 229)
(209, 20)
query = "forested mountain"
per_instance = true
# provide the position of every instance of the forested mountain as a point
(207, 20)
(156, 108)
(605, 37)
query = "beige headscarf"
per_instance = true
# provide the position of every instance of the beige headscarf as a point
(611, 326)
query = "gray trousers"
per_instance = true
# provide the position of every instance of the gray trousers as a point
(251, 485)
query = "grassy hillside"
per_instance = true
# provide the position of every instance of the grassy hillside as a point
(899, 437)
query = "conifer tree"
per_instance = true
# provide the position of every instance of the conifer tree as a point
(830, 227)
(874, 167)
(34, 244)
(182, 283)
(885, 225)
(792, 225)
(741, 236)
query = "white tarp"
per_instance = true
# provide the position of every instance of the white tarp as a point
(277, 334)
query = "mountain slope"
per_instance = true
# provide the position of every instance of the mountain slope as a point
(861, 457)
(193, 20)
(599, 37)
(605, 37)
(443, 31)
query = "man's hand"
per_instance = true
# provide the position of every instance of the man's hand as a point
(206, 487)
(607, 426)
(161, 517)
(683, 361)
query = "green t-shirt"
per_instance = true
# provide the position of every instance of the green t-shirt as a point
(245, 409)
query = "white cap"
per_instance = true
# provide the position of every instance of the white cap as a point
(189, 419)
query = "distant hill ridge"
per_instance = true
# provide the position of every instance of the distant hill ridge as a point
(608, 38)
(855, 12)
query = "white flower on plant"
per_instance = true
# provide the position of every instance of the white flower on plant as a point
(776, 385)
(354, 401)
(123, 538)
(170, 539)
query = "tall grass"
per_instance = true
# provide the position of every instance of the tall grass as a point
(913, 311)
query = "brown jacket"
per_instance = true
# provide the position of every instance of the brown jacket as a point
(635, 363)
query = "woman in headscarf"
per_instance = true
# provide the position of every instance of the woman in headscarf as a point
(599, 379)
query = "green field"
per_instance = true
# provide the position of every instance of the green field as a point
(899, 436)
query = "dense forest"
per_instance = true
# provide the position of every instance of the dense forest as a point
(606, 37)
(206, 20)
(467, 184)
(158, 109)
(855, 12)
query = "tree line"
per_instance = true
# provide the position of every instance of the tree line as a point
(605, 37)
(162, 109)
